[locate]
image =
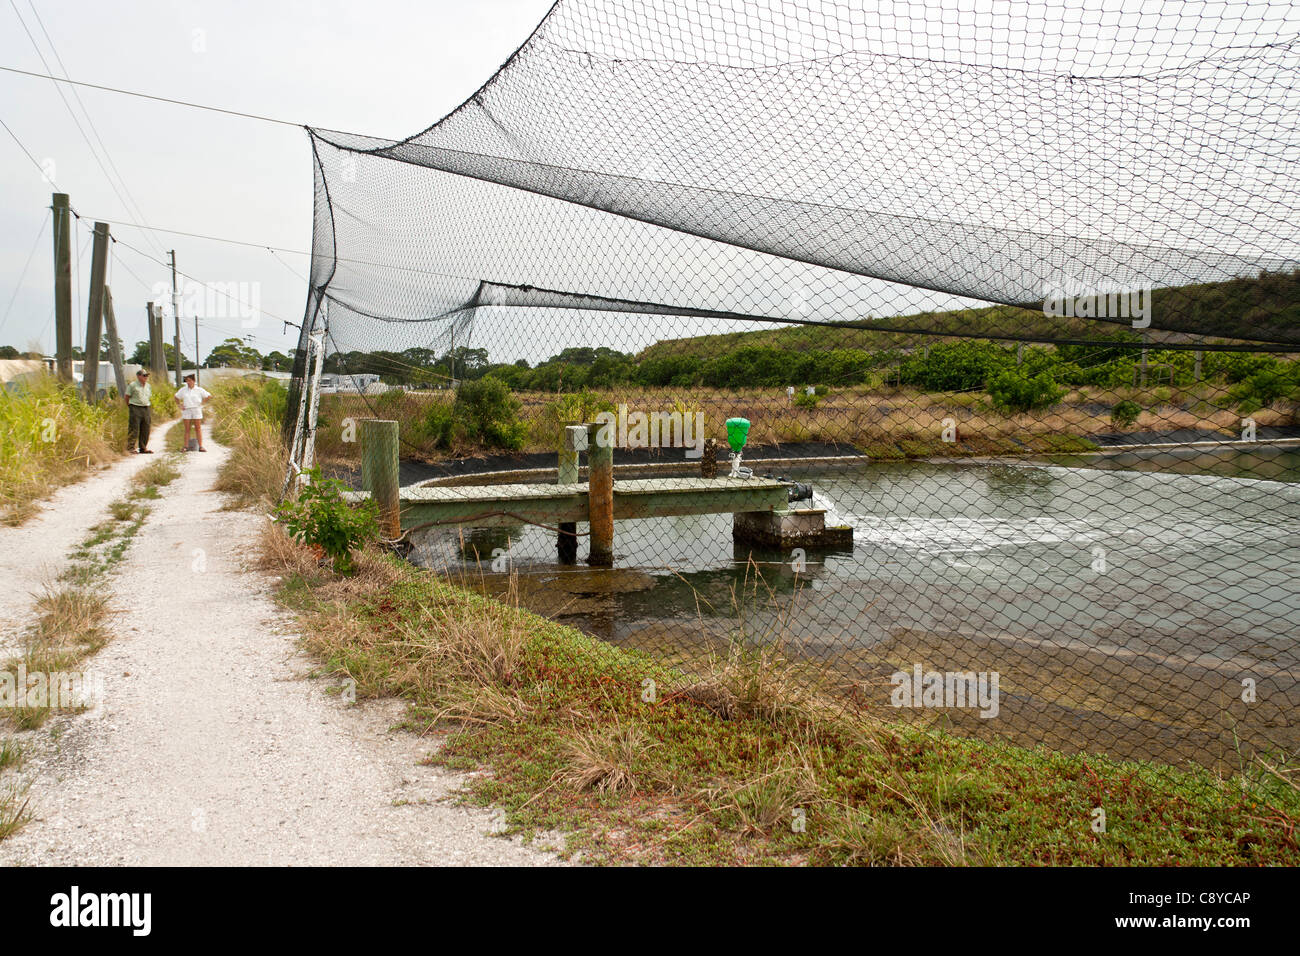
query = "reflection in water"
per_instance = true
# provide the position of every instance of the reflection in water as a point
(1122, 606)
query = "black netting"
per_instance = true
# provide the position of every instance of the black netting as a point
(1012, 287)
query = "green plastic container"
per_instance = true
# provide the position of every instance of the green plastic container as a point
(737, 433)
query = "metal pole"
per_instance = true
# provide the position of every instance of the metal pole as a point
(62, 287)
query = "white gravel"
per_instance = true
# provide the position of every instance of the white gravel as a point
(212, 746)
(36, 552)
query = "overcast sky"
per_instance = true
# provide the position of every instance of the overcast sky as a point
(382, 67)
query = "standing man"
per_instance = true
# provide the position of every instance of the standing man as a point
(139, 408)
(191, 398)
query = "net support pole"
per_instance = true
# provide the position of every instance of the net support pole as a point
(600, 497)
(313, 403)
(302, 447)
(379, 473)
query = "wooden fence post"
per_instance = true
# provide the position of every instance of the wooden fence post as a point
(567, 473)
(600, 494)
(379, 473)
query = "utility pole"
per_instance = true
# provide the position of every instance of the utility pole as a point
(197, 353)
(114, 343)
(157, 354)
(95, 311)
(62, 287)
(176, 308)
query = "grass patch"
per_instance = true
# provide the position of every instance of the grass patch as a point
(639, 762)
(157, 474)
(13, 809)
(72, 612)
(11, 753)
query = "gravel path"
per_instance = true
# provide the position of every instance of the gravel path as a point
(212, 746)
(36, 552)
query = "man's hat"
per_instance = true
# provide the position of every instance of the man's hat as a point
(142, 371)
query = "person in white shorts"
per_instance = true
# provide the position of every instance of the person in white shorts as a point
(191, 398)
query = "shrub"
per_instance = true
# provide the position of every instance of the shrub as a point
(320, 516)
(490, 413)
(1262, 389)
(1014, 391)
(566, 410)
(1125, 414)
(955, 366)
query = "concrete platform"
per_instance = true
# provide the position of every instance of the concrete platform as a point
(790, 528)
(552, 504)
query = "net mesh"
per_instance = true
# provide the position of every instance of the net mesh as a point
(1012, 287)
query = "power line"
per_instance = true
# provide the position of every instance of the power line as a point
(150, 96)
(207, 285)
(296, 252)
(40, 232)
(127, 204)
(28, 152)
(108, 155)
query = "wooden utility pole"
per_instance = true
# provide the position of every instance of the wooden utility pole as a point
(176, 308)
(95, 312)
(197, 353)
(157, 354)
(114, 343)
(62, 287)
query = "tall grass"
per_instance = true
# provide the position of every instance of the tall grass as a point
(50, 437)
(248, 415)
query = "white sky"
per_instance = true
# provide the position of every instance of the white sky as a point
(382, 67)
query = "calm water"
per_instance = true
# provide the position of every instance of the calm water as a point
(1112, 587)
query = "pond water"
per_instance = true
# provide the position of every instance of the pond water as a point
(1123, 599)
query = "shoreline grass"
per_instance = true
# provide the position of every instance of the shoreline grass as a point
(639, 763)
(885, 423)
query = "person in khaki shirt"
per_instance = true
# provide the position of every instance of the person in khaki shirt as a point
(139, 408)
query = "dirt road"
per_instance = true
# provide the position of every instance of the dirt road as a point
(212, 746)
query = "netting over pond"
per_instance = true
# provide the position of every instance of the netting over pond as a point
(1010, 291)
